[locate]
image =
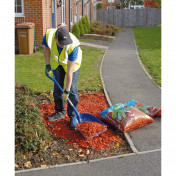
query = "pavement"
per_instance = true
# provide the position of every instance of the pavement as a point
(94, 45)
(123, 78)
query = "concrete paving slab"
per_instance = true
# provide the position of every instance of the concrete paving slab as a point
(93, 45)
(137, 165)
(148, 137)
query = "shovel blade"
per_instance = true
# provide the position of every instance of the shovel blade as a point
(87, 117)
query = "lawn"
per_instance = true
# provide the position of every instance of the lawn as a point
(30, 70)
(148, 40)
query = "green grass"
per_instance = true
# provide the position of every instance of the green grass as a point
(30, 70)
(148, 39)
(89, 78)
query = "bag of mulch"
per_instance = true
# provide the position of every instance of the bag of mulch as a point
(125, 118)
(149, 110)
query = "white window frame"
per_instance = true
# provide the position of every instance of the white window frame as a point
(20, 14)
(85, 7)
(88, 8)
(71, 12)
(77, 11)
(63, 13)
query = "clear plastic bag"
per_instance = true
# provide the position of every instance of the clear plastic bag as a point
(149, 110)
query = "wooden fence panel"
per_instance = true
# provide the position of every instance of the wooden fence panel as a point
(158, 16)
(130, 17)
(140, 17)
(151, 17)
(118, 17)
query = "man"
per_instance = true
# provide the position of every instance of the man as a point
(66, 61)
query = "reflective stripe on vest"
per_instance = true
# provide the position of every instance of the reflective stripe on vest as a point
(50, 38)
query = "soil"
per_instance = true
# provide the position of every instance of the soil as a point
(96, 39)
(96, 42)
(61, 151)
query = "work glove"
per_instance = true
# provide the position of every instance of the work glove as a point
(65, 95)
(47, 69)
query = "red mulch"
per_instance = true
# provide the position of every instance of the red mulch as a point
(91, 103)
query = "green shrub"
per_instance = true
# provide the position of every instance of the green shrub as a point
(98, 28)
(81, 28)
(85, 25)
(75, 30)
(96, 24)
(111, 29)
(30, 131)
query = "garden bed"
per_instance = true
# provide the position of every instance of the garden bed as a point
(69, 146)
(97, 37)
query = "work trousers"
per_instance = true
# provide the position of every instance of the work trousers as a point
(58, 99)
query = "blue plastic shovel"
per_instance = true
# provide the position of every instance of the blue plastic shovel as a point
(79, 118)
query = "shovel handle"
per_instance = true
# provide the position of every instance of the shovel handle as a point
(62, 91)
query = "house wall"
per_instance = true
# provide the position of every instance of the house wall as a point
(46, 16)
(33, 12)
(39, 12)
(80, 10)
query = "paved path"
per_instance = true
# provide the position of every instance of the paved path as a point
(94, 45)
(137, 165)
(124, 79)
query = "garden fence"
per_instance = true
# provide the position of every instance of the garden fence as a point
(130, 17)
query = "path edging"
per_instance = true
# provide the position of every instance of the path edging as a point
(142, 65)
(127, 136)
(85, 162)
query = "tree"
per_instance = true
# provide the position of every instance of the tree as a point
(99, 6)
(76, 30)
(85, 25)
(81, 28)
(128, 3)
(152, 3)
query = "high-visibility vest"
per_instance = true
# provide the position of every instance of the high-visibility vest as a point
(62, 58)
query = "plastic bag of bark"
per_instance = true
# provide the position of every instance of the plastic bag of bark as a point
(125, 118)
(149, 110)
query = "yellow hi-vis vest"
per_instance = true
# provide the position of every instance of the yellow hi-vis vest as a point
(62, 58)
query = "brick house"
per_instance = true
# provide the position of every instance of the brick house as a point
(52, 13)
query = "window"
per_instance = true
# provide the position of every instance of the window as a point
(19, 8)
(71, 12)
(85, 7)
(88, 11)
(63, 13)
(77, 12)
